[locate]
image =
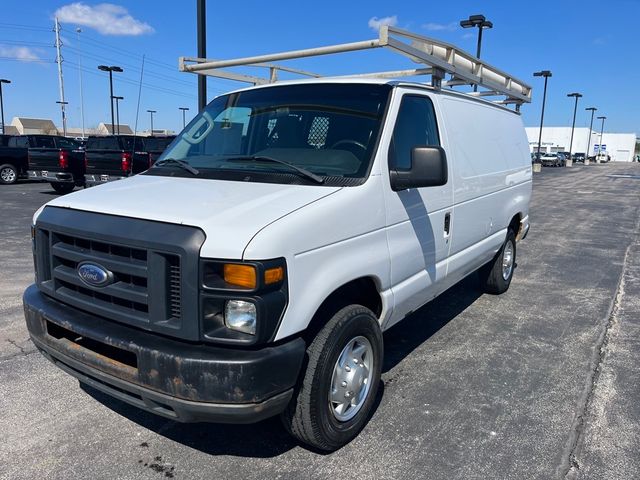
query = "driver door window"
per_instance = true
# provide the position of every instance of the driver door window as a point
(415, 127)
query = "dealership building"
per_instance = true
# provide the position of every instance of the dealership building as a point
(620, 146)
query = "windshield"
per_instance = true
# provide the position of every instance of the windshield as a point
(330, 130)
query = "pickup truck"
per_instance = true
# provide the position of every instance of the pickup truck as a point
(13, 160)
(57, 160)
(155, 146)
(114, 158)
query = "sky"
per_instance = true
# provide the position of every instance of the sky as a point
(591, 47)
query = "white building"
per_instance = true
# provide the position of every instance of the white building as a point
(621, 146)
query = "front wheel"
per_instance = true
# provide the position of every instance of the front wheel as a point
(496, 275)
(335, 397)
(62, 188)
(8, 174)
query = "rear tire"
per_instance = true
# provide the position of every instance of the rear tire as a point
(334, 398)
(62, 188)
(496, 275)
(8, 174)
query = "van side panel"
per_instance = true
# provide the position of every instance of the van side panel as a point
(328, 243)
(491, 168)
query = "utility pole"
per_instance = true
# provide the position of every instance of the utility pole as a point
(79, 31)
(151, 112)
(573, 126)
(601, 134)
(546, 74)
(184, 109)
(116, 98)
(481, 22)
(593, 110)
(202, 51)
(2, 80)
(60, 78)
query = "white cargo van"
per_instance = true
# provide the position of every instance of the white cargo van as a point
(252, 270)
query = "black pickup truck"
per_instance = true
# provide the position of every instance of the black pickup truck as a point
(57, 160)
(113, 158)
(13, 160)
(156, 146)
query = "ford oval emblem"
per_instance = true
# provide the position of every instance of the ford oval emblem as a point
(94, 275)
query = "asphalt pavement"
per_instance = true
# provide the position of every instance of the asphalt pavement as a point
(541, 382)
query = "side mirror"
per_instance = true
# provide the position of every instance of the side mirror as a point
(428, 169)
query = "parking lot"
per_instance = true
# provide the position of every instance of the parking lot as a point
(541, 382)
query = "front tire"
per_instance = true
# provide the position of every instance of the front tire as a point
(496, 275)
(62, 188)
(8, 174)
(336, 394)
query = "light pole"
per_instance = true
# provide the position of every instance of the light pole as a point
(151, 112)
(481, 22)
(111, 69)
(593, 110)
(184, 109)
(201, 32)
(573, 126)
(601, 133)
(2, 80)
(64, 123)
(79, 31)
(116, 98)
(546, 74)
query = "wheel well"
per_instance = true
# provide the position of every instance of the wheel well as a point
(515, 224)
(361, 291)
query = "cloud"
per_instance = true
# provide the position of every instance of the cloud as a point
(468, 35)
(106, 18)
(23, 54)
(375, 23)
(439, 27)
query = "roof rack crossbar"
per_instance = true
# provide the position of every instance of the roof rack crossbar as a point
(438, 57)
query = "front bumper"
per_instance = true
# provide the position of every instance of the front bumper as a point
(179, 380)
(93, 180)
(47, 176)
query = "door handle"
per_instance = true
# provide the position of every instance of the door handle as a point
(447, 224)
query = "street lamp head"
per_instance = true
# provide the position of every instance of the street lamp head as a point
(104, 68)
(62, 103)
(601, 118)
(151, 111)
(115, 68)
(78, 30)
(115, 97)
(543, 73)
(593, 109)
(4, 80)
(183, 108)
(476, 21)
(574, 94)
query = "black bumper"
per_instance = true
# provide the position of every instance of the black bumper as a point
(183, 381)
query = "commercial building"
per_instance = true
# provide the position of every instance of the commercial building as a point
(35, 126)
(620, 146)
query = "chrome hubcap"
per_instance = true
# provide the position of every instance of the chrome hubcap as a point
(351, 379)
(507, 260)
(7, 175)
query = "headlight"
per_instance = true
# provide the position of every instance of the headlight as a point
(241, 316)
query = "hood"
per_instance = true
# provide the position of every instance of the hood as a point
(230, 213)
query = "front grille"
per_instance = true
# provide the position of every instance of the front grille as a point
(128, 298)
(152, 268)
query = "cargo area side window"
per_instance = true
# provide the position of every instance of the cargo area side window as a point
(415, 127)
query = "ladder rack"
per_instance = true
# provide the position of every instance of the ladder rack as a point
(434, 57)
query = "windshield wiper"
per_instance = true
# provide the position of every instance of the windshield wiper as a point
(262, 158)
(179, 163)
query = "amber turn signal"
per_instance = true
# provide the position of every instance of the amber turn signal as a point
(240, 275)
(273, 275)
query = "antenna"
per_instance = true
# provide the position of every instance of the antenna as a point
(60, 78)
